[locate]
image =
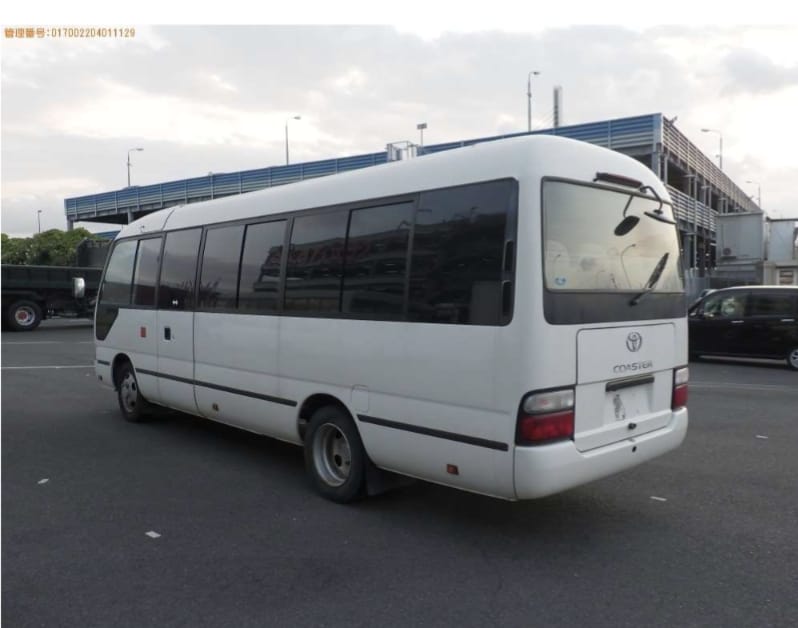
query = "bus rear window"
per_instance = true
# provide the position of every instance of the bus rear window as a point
(584, 250)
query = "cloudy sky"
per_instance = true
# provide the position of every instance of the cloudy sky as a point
(203, 99)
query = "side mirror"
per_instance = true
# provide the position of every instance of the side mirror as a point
(78, 287)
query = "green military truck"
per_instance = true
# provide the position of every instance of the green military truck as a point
(33, 293)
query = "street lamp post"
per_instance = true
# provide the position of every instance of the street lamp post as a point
(421, 126)
(128, 163)
(286, 135)
(529, 99)
(758, 192)
(720, 152)
(39, 219)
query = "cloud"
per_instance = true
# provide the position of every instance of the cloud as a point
(750, 71)
(203, 99)
(351, 81)
(219, 83)
(118, 110)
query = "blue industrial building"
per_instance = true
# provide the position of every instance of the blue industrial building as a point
(699, 189)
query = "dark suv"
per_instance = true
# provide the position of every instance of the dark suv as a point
(747, 321)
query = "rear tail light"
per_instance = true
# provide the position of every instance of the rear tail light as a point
(545, 417)
(679, 396)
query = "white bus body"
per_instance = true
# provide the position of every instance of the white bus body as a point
(521, 345)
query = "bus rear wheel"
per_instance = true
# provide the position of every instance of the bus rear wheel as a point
(335, 459)
(24, 316)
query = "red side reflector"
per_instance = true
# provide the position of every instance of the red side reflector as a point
(545, 427)
(143, 332)
(679, 398)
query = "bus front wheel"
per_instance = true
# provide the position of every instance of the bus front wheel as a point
(335, 459)
(135, 408)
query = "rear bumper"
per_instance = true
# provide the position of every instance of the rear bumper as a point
(549, 469)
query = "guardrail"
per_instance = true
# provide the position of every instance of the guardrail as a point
(689, 156)
(160, 195)
(694, 213)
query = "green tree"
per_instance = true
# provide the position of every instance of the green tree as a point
(51, 248)
(15, 250)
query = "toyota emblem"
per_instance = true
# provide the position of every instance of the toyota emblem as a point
(634, 341)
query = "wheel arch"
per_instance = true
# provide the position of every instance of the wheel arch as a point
(315, 401)
(116, 366)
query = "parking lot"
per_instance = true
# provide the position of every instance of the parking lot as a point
(182, 522)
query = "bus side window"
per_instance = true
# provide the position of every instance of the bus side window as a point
(456, 269)
(119, 274)
(315, 263)
(179, 269)
(116, 289)
(375, 268)
(218, 287)
(260, 267)
(146, 272)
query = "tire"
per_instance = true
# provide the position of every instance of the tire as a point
(335, 459)
(134, 407)
(792, 359)
(24, 316)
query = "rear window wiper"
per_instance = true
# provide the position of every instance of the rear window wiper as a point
(652, 280)
(630, 222)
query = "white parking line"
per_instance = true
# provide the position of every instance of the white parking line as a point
(64, 366)
(50, 342)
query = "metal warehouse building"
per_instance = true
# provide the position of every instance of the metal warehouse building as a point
(699, 189)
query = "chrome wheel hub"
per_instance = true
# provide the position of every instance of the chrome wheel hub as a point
(332, 456)
(129, 392)
(24, 316)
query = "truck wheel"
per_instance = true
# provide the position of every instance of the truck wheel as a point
(24, 316)
(135, 408)
(335, 459)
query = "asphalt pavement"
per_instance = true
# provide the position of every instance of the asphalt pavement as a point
(182, 522)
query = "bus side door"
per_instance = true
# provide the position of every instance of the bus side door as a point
(175, 326)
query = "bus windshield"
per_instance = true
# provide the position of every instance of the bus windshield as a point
(585, 250)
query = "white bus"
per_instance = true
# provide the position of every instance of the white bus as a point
(507, 318)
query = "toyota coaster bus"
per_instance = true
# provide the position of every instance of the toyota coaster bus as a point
(506, 318)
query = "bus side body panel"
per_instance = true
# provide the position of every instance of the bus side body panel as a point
(176, 360)
(134, 335)
(424, 395)
(237, 374)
